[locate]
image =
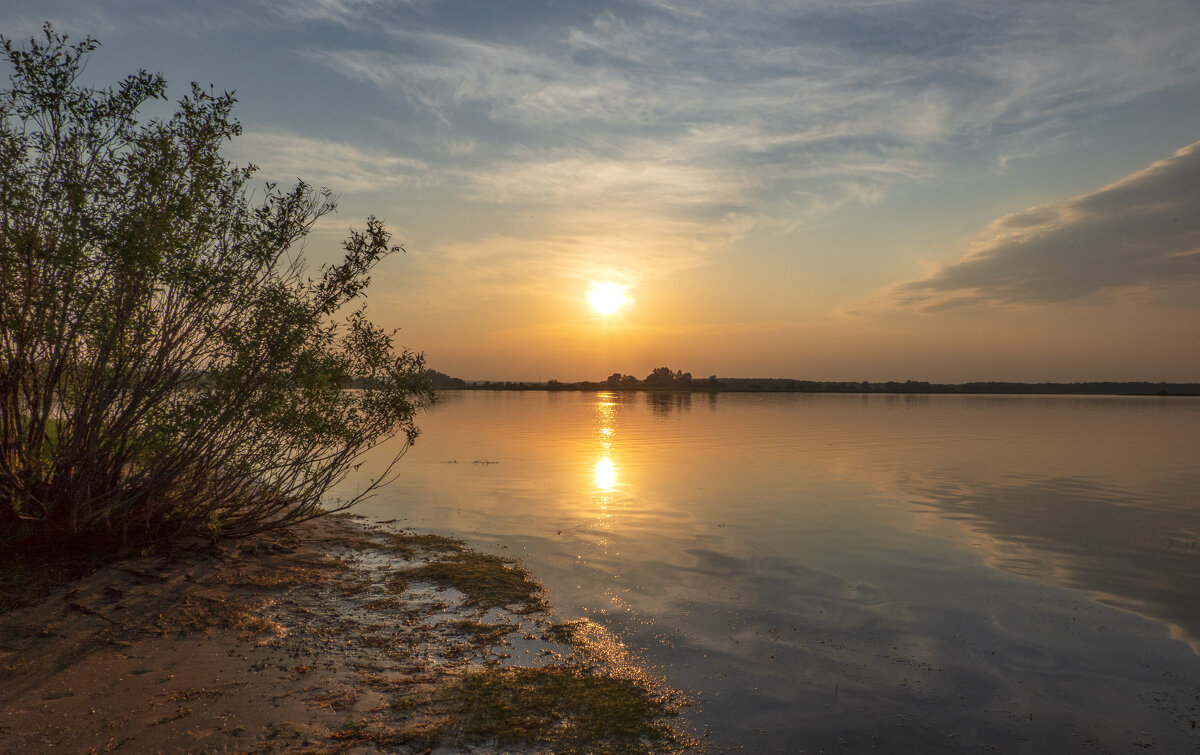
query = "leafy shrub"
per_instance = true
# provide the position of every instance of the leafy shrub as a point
(165, 364)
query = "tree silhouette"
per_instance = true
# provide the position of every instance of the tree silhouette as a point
(166, 366)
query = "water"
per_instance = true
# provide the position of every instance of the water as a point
(898, 573)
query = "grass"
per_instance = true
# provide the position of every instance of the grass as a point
(478, 637)
(482, 632)
(568, 632)
(487, 581)
(570, 708)
(406, 545)
(562, 709)
(412, 542)
(16, 668)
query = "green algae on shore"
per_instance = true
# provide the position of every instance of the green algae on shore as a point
(374, 640)
(566, 708)
(487, 581)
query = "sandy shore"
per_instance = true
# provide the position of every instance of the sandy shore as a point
(336, 636)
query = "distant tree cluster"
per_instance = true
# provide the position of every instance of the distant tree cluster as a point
(617, 380)
(664, 378)
(442, 380)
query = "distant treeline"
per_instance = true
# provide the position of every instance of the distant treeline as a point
(663, 378)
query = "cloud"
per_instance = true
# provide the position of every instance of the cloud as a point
(683, 120)
(531, 87)
(24, 23)
(344, 13)
(626, 182)
(582, 247)
(830, 97)
(343, 167)
(1140, 231)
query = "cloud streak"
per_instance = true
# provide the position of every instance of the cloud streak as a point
(1141, 231)
(801, 108)
(696, 123)
(921, 72)
(344, 167)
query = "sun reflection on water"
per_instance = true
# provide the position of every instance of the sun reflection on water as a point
(606, 475)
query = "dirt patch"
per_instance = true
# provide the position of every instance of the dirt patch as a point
(337, 636)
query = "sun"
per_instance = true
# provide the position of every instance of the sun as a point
(607, 298)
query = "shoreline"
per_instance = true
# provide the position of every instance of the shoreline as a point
(333, 636)
(1138, 389)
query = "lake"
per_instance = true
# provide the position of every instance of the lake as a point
(848, 572)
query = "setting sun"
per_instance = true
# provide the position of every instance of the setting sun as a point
(607, 298)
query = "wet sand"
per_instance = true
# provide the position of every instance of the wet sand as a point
(307, 641)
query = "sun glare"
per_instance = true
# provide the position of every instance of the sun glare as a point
(606, 475)
(606, 298)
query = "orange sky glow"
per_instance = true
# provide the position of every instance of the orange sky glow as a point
(826, 191)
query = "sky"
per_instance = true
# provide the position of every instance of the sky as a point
(828, 190)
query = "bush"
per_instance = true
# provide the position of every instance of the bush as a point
(166, 367)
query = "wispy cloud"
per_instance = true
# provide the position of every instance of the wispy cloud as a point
(475, 82)
(344, 167)
(340, 12)
(1140, 231)
(582, 247)
(700, 121)
(23, 23)
(617, 183)
(796, 93)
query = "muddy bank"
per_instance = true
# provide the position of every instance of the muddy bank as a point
(336, 636)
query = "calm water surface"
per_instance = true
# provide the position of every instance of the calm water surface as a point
(903, 573)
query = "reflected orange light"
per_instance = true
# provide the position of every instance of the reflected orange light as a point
(606, 475)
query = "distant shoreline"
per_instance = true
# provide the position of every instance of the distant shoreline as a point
(911, 387)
